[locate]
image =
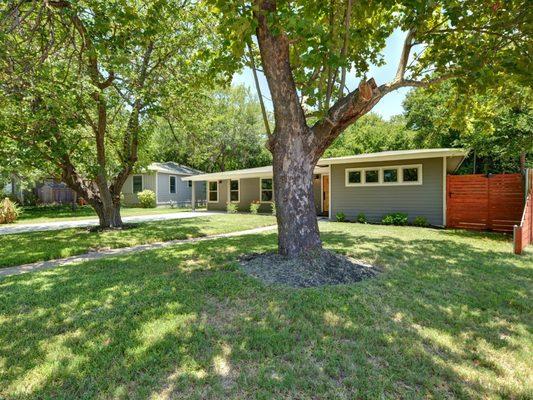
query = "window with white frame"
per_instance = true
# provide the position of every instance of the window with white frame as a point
(267, 190)
(389, 175)
(172, 184)
(212, 189)
(137, 183)
(234, 191)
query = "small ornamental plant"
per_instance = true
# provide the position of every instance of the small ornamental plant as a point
(9, 211)
(421, 221)
(395, 219)
(254, 207)
(273, 209)
(147, 199)
(231, 208)
(340, 217)
(361, 218)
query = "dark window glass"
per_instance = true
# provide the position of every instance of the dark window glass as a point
(410, 174)
(212, 186)
(234, 190)
(354, 177)
(190, 183)
(372, 176)
(137, 184)
(172, 184)
(266, 184)
(390, 175)
(266, 195)
(213, 196)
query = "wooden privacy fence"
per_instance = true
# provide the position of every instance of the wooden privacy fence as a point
(523, 233)
(484, 202)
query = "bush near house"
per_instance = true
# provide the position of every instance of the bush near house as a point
(147, 199)
(340, 217)
(231, 208)
(273, 208)
(395, 219)
(361, 218)
(421, 221)
(9, 211)
(254, 207)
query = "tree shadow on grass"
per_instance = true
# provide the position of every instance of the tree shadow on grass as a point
(184, 322)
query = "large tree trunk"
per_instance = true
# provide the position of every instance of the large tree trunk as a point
(293, 193)
(108, 215)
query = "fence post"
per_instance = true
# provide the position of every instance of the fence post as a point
(517, 239)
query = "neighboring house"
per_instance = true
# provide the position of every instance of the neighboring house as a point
(166, 180)
(375, 184)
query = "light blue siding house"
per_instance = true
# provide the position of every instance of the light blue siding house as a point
(166, 180)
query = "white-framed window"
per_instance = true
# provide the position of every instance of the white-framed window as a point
(137, 183)
(212, 192)
(384, 176)
(266, 190)
(234, 191)
(172, 184)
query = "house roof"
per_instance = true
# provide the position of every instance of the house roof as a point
(171, 167)
(394, 155)
(455, 157)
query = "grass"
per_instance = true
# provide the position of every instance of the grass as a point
(42, 214)
(450, 317)
(22, 248)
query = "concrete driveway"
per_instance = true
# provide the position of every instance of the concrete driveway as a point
(52, 226)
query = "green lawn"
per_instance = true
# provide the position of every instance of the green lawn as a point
(32, 215)
(24, 248)
(450, 317)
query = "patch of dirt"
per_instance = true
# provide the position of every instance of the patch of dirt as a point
(316, 269)
(124, 227)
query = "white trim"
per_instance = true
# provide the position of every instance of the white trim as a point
(218, 190)
(329, 192)
(444, 189)
(238, 191)
(261, 190)
(175, 184)
(321, 193)
(156, 190)
(142, 183)
(395, 155)
(380, 181)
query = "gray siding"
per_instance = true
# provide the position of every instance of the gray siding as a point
(127, 189)
(376, 201)
(183, 193)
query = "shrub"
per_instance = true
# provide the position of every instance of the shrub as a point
(340, 217)
(361, 218)
(9, 211)
(254, 207)
(231, 208)
(395, 219)
(273, 208)
(420, 221)
(147, 199)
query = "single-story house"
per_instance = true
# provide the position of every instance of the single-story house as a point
(375, 184)
(167, 181)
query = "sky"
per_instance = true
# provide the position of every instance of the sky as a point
(390, 105)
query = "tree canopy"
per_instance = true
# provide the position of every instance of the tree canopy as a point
(223, 130)
(81, 79)
(497, 125)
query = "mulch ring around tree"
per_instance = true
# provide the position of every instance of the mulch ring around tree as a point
(316, 269)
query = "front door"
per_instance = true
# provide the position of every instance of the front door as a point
(325, 194)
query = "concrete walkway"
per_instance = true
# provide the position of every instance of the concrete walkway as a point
(52, 226)
(41, 265)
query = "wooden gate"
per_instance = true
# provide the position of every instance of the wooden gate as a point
(493, 202)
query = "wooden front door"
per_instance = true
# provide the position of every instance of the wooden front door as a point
(325, 194)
